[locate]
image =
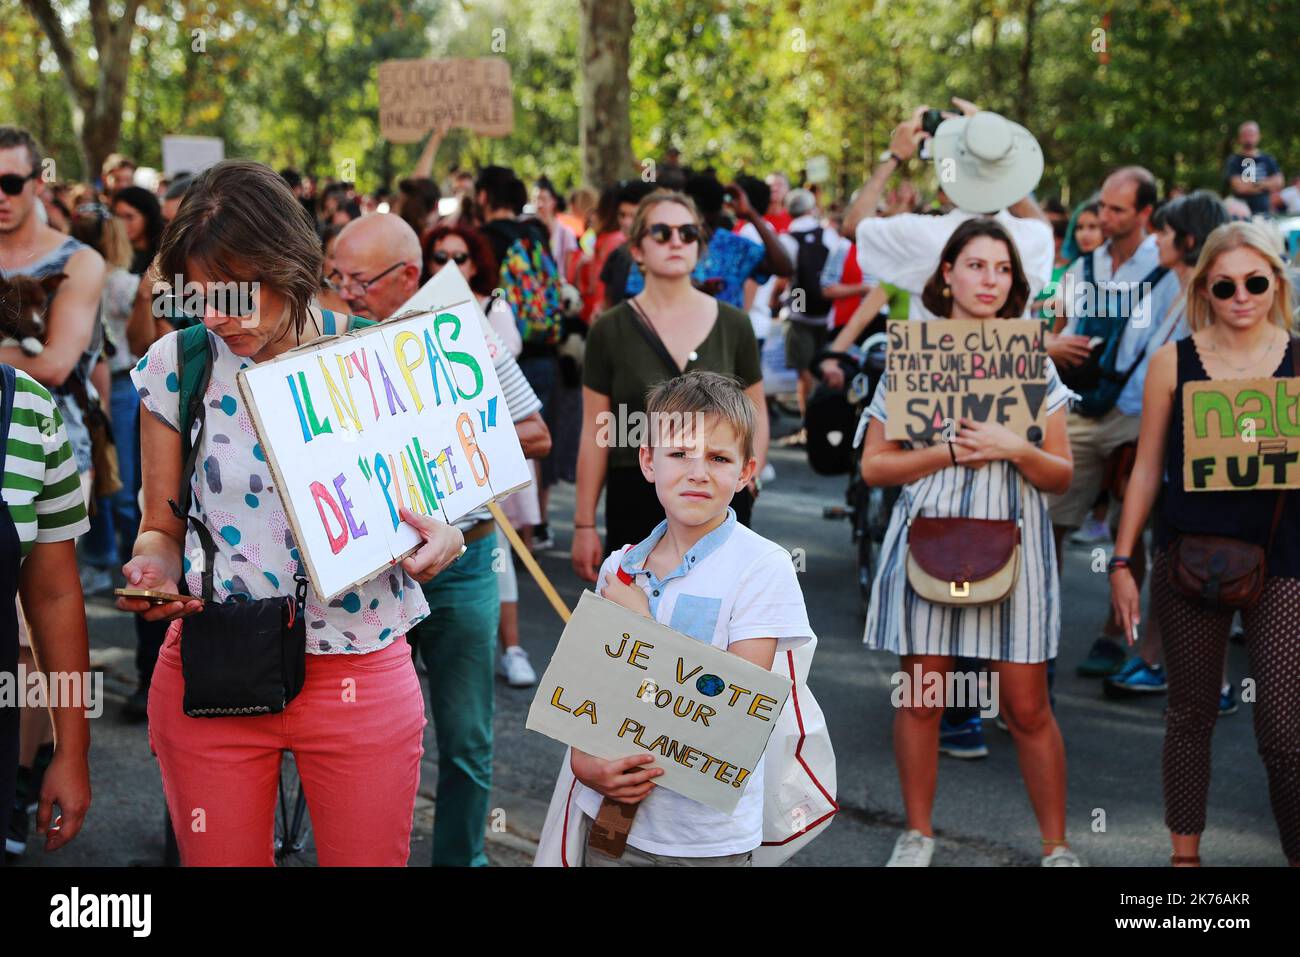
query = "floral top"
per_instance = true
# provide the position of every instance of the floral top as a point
(233, 490)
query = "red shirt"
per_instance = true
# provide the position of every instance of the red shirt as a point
(780, 221)
(850, 276)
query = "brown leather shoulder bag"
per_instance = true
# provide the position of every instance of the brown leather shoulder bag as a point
(963, 561)
(1220, 572)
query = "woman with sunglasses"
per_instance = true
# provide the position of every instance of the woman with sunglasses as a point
(1238, 306)
(669, 328)
(359, 757)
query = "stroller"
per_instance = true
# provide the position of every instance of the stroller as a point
(832, 416)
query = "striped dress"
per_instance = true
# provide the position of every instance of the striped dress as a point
(1025, 628)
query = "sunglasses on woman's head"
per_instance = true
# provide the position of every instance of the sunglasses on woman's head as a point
(12, 183)
(1226, 288)
(662, 232)
(458, 258)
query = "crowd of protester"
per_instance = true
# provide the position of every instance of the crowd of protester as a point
(592, 298)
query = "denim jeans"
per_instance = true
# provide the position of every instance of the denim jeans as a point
(458, 645)
(116, 521)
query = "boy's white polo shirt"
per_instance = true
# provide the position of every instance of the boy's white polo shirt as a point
(732, 585)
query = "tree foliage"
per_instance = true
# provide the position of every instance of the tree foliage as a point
(737, 84)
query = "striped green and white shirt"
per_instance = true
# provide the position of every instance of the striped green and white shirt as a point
(41, 484)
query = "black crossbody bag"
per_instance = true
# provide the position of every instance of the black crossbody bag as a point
(237, 657)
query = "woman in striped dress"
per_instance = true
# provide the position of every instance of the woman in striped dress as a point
(986, 472)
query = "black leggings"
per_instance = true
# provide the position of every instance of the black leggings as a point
(1195, 642)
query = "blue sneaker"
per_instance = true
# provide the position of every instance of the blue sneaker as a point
(965, 740)
(1136, 677)
(1227, 702)
(1105, 659)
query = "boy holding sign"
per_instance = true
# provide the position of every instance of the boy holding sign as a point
(702, 574)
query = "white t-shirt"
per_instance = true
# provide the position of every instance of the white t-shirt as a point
(904, 250)
(760, 310)
(1291, 199)
(732, 585)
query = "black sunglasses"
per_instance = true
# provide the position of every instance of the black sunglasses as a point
(441, 258)
(661, 232)
(1226, 288)
(12, 184)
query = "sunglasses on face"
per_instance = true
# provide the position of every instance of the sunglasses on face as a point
(12, 183)
(441, 258)
(662, 232)
(1226, 288)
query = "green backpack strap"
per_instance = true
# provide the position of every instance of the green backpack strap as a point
(193, 370)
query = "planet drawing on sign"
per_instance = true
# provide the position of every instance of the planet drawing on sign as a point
(709, 685)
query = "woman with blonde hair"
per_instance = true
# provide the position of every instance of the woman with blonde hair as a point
(669, 328)
(1238, 306)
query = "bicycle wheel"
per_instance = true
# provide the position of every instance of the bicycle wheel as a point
(292, 824)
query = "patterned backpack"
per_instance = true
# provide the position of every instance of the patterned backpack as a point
(531, 284)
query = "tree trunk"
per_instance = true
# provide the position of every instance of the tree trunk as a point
(96, 109)
(1025, 97)
(605, 124)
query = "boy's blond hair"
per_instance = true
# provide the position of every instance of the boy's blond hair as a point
(702, 394)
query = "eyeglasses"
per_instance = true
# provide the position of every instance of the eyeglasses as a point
(1227, 288)
(441, 258)
(12, 183)
(339, 281)
(94, 211)
(662, 232)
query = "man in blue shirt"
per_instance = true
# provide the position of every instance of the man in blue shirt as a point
(1252, 176)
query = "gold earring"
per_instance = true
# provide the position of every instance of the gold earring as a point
(947, 292)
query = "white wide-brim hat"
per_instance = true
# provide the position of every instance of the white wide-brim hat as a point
(986, 162)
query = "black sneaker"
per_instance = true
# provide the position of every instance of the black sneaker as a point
(542, 538)
(44, 755)
(136, 707)
(16, 839)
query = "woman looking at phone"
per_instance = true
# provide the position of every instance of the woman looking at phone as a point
(1238, 307)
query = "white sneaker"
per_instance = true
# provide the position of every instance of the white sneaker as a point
(516, 669)
(1062, 857)
(1093, 532)
(95, 581)
(912, 849)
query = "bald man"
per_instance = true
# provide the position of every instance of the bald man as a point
(376, 265)
(377, 269)
(1253, 177)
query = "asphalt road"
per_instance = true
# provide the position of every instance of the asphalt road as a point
(982, 815)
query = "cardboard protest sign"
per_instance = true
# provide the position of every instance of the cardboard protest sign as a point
(417, 97)
(408, 413)
(191, 154)
(988, 370)
(1241, 434)
(620, 683)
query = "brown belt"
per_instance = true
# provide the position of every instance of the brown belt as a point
(479, 530)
